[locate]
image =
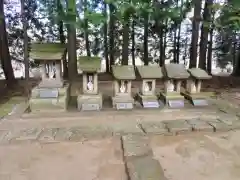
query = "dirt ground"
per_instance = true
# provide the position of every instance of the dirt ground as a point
(203, 157)
(92, 160)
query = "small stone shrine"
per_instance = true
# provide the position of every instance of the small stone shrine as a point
(91, 98)
(147, 94)
(193, 87)
(52, 92)
(122, 87)
(174, 74)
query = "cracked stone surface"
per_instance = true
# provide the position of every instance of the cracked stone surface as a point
(210, 157)
(135, 146)
(178, 126)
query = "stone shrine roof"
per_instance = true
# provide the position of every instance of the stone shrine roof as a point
(124, 72)
(199, 73)
(47, 51)
(89, 64)
(149, 72)
(175, 71)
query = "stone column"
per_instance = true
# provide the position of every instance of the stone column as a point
(153, 86)
(166, 84)
(129, 86)
(116, 87)
(199, 85)
(84, 85)
(58, 71)
(95, 83)
(43, 71)
(178, 86)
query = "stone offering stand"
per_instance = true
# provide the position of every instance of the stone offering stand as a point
(174, 74)
(122, 87)
(52, 92)
(147, 95)
(91, 98)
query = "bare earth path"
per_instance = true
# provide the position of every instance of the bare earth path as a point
(199, 144)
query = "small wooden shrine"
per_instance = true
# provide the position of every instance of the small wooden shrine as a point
(51, 92)
(90, 97)
(122, 98)
(174, 74)
(147, 95)
(193, 87)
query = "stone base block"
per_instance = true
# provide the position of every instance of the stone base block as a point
(37, 104)
(148, 101)
(89, 102)
(57, 102)
(123, 102)
(197, 99)
(36, 92)
(173, 100)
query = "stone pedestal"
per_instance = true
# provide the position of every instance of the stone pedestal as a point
(90, 99)
(122, 100)
(48, 98)
(88, 102)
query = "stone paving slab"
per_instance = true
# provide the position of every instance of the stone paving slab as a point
(123, 128)
(48, 135)
(24, 135)
(200, 125)
(158, 128)
(178, 126)
(81, 133)
(145, 168)
(220, 126)
(63, 134)
(135, 146)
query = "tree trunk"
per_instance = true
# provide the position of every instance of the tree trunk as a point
(25, 40)
(195, 33)
(179, 33)
(204, 33)
(175, 46)
(62, 39)
(145, 45)
(125, 41)
(86, 35)
(72, 56)
(105, 29)
(4, 50)
(111, 35)
(133, 41)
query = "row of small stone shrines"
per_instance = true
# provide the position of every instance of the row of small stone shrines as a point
(53, 93)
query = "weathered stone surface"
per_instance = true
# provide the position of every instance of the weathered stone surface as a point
(124, 72)
(3, 134)
(89, 64)
(47, 51)
(175, 71)
(123, 128)
(145, 168)
(63, 134)
(177, 126)
(89, 102)
(48, 134)
(31, 134)
(135, 146)
(220, 126)
(200, 125)
(81, 133)
(199, 73)
(149, 72)
(154, 127)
